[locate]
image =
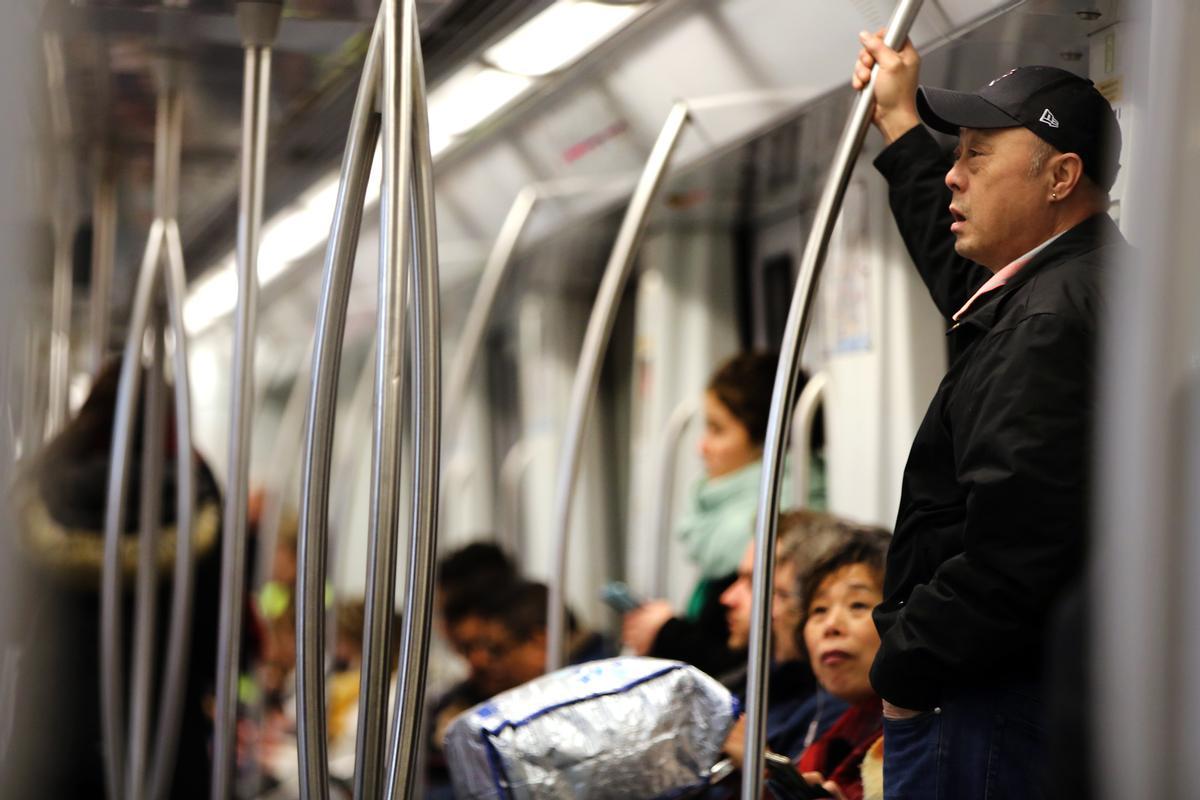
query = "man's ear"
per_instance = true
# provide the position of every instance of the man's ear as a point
(1066, 171)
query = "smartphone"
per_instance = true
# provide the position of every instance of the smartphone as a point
(618, 596)
(785, 782)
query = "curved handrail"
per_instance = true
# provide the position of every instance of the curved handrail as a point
(426, 449)
(396, 240)
(599, 329)
(587, 376)
(494, 271)
(668, 460)
(786, 377)
(170, 703)
(812, 396)
(150, 513)
(319, 426)
(259, 22)
(163, 250)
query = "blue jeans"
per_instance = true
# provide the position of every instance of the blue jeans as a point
(979, 744)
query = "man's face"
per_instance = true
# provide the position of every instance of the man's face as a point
(999, 208)
(738, 599)
(497, 659)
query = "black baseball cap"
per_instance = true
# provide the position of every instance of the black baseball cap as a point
(1058, 106)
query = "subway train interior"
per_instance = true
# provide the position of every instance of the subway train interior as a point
(369, 367)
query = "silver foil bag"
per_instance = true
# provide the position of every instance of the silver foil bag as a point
(621, 728)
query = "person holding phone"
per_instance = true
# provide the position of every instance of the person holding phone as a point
(719, 522)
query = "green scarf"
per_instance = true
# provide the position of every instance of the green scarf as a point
(720, 523)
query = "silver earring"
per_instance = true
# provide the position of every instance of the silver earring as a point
(1054, 195)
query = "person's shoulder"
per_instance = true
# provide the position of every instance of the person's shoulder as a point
(1072, 295)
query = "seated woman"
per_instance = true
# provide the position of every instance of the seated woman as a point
(839, 593)
(720, 521)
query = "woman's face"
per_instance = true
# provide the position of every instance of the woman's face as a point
(840, 634)
(725, 445)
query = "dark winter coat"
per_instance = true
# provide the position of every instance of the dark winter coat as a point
(992, 524)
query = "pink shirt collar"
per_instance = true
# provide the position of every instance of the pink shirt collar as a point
(1004, 276)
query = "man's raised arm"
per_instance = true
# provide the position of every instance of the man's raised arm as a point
(915, 171)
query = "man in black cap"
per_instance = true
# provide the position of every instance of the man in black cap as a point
(1012, 240)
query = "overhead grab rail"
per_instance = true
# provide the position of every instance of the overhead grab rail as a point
(495, 273)
(126, 753)
(811, 398)
(258, 22)
(595, 342)
(786, 377)
(390, 102)
(668, 466)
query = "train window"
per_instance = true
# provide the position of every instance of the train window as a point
(778, 280)
(783, 157)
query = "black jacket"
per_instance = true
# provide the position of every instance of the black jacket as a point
(701, 642)
(993, 511)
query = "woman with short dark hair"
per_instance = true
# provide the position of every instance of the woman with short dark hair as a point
(720, 520)
(839, 593)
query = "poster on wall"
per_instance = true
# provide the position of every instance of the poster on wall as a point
(847, 284)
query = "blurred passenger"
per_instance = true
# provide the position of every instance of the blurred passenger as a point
(481, 568)
(1014, 243)
(477, 567)
(720, 522)
(504, 640)
(839, 593)
(797, 709)
(275, 608)
(60, 499)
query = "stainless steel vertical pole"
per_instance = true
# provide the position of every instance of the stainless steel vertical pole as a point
(112, 692)
(64, 218)
(319, 429)
(62, 294)
(426, 451)
(170, 704)
(395, 243)
(587, 376)
(104, 245)
(392, 75)
(146, 602)
(795, 331)
(163, 251)
(259, 23)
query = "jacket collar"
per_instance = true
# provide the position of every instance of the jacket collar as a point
(1094, 232)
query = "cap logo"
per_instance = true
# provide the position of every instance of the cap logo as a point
(1049, 119)
(1002, 77)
